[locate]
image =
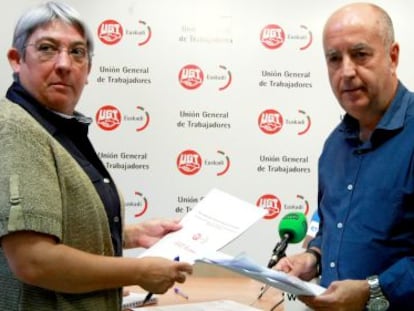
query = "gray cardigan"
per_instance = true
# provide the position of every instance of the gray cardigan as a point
(43, 189)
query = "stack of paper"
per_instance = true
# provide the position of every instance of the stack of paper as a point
(214, 222)
(278, 279)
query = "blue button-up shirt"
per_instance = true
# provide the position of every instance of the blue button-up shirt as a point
(366, 203)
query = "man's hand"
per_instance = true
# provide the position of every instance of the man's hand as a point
(301, 265)
(348, 295)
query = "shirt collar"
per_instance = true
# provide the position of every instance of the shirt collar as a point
(52, 121)
(76, 116)
(395, 115)
(392, 120)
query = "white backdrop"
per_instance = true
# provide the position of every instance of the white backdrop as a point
(252, 71)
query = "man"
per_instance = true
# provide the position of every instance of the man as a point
(61, 227)
(365, 242)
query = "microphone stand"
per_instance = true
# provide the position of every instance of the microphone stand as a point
(278, 253)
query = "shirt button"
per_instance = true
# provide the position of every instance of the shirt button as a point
(116, 219)
(332, 264)
(339, 225)
(350, 187)
(106, 180)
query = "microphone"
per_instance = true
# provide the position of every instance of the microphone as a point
(292, 229)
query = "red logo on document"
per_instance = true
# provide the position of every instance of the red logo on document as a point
(110, 32)
(270, 121)
(200, 238)
(271, 203)
(191, 77)
(189, 162)
(108, 117)
(272, 36)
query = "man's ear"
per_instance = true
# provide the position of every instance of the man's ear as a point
(14, 59)
(394, 55)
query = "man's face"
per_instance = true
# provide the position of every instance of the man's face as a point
(361, 68)
(53, 69)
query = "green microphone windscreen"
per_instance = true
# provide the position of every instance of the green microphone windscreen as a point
(294, 225)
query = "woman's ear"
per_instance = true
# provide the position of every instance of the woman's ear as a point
(14, 59)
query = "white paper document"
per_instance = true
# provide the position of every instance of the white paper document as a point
(278, 279)
(214, 222)
(216, 305)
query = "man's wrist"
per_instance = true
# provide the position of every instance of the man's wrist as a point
(377, 301)
(317, 255)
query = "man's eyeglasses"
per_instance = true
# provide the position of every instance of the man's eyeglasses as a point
(48, 51)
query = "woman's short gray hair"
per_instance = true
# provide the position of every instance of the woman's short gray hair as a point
(44, 14)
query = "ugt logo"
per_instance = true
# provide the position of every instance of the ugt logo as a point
(271, 203)
(191, 77)
(272, 36)
(270, 121)
(189, 162)
(110, 32)
(108, 117)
